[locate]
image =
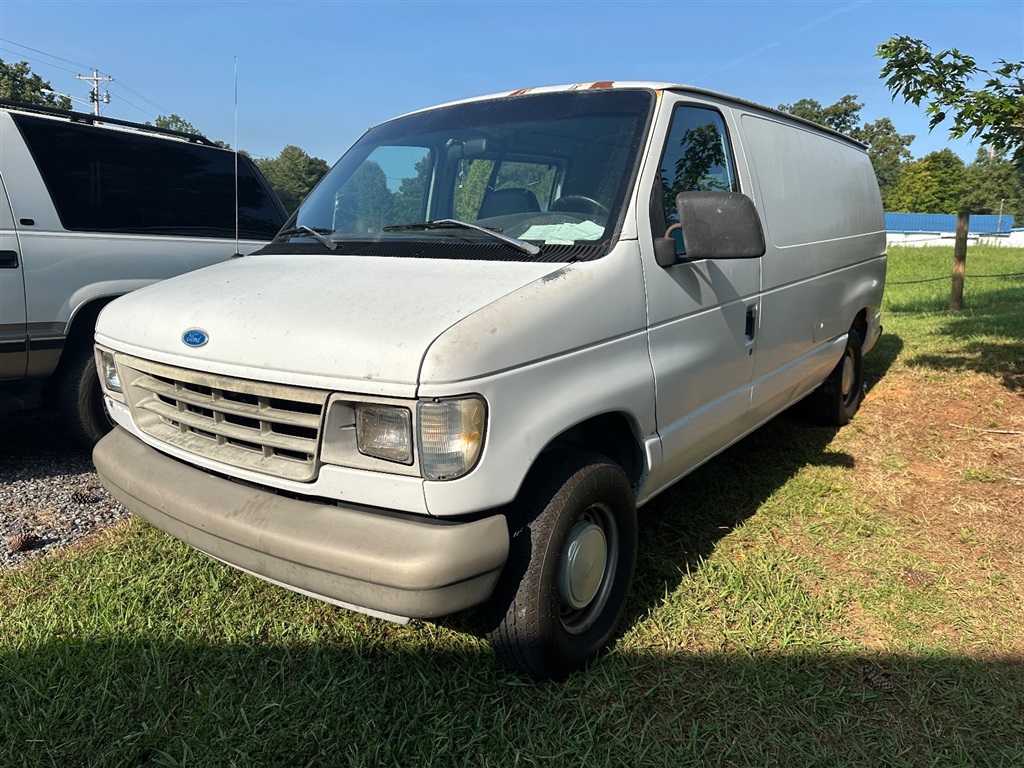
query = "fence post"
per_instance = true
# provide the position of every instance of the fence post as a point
(956, 295)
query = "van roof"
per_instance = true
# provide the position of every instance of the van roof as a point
(649, 85)
(101, 121)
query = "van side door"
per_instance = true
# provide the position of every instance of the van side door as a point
(702, 314)
(13, 334)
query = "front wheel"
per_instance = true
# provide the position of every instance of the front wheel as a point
(80, 400)
(836, 401)
(570, 566)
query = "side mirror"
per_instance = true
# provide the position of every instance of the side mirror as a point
(718, 225)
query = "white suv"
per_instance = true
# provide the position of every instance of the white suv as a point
(91, 208)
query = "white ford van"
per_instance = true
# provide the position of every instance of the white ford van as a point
(494, 330)
(91, 208)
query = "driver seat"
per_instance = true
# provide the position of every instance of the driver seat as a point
(503, 202)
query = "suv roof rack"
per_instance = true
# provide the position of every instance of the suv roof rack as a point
(84, 117)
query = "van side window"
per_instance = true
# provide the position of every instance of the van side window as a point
(102, 181)
(696, 158)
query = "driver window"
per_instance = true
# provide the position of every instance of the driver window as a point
(696, 157)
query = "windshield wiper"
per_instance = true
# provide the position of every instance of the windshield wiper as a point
(317, 232)
(515, 242)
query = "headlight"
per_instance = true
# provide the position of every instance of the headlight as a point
(108, 372)
(451, 435)
(384, 432)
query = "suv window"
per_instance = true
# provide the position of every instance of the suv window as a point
(104, 180)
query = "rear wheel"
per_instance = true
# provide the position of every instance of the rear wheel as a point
(836, 401)
(80, 399)
(570, 566)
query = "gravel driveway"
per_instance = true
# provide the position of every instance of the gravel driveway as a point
(48, 488)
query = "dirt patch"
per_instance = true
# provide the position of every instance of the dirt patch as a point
(943, 462)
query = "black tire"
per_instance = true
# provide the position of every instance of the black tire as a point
(546, 617)
(80, 399)
(836, 401)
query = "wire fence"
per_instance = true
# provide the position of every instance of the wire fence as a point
(947, 277)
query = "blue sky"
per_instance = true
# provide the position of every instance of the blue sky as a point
(317, 74)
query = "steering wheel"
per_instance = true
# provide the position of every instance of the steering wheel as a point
(579, 204)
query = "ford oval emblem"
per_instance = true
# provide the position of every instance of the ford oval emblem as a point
(195, 337)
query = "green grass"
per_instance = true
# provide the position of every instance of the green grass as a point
(985, 336)
(918, 279)
(767, 581)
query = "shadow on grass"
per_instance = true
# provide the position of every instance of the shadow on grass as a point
(976, 351)
(367, 694)
(111, 703)
(682, 526)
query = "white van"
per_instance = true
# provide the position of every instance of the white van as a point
(93, 207)
(494, 330)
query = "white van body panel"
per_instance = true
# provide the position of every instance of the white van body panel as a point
(657, 367)
(369, 322)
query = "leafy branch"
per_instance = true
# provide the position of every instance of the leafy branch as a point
(994, 113)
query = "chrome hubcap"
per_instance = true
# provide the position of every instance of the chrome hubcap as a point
(583, 565)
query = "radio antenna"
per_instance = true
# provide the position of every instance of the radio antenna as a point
(238, 250)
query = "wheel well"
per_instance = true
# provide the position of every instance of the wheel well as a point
(860, 324)
(83, 326)
(609, 434)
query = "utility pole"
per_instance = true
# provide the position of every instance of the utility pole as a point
(94, 94)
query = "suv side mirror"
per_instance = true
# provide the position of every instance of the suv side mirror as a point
(716, 225)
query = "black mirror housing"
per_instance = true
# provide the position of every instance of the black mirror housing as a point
(719, 225)
(665, 251)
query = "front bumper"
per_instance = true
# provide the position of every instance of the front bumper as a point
(387, 564)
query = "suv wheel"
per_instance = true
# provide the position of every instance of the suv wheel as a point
(80, 400)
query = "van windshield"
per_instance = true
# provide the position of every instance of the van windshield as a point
(550, 170)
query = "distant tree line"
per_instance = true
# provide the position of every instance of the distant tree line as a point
(939, 182)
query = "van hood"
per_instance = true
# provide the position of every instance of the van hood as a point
(308, 318)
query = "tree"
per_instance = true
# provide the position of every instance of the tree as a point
(292, 174)
(409, 198)
(888, 150)
(993, 185)
(933, 184)
(175, 123)
(842, 116)
(993, 113)
(17, 84)
(366, 197)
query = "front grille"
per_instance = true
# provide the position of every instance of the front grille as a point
(268, 428)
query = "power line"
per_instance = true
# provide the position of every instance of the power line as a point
(96, 73)
(45, 63)
(44, 53)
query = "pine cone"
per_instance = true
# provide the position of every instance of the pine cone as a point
(875, 678)
(22, 542)
(84, 497)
